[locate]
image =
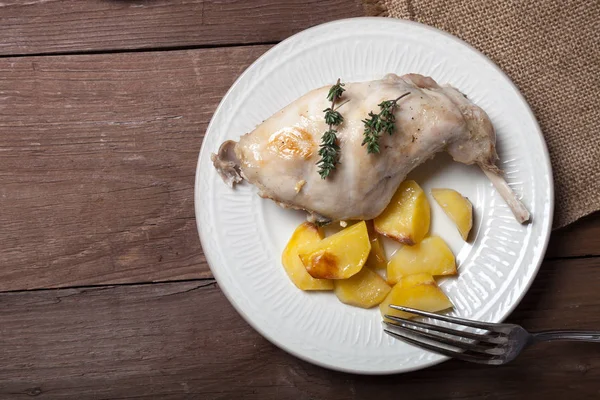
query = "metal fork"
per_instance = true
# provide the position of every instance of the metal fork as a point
(501, 343)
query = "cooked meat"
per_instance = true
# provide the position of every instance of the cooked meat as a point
(280, 155)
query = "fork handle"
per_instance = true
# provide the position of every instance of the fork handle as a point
(582, 336)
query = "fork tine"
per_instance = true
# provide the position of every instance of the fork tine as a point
(482, 337)
(455, 320)
(480, 359)
(461, 345)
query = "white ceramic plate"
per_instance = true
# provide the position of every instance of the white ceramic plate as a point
(243, 235)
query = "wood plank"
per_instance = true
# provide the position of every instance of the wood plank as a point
(581, 238)
(97, 162)
(41, 26)
(184, 340)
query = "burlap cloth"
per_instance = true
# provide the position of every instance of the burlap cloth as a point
(551, 50)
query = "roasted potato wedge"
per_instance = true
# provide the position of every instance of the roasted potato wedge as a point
(366, 289)
(418, 291)
(338, 256)
(406, 219)
(457, 207)
(432, 256)
(377, 258)
(304, 234)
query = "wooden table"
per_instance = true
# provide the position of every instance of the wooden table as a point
(104, 290)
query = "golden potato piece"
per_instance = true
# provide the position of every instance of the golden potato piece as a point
(340, 255)
(432, 256)
(457, 207)
(366, 289)
(304, 234)
(417, 291)
(406, 218)
(377, 258)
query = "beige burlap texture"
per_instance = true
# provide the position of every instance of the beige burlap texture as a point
(551, 50)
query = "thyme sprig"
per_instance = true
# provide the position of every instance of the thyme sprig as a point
(378, 124)
(329, 148)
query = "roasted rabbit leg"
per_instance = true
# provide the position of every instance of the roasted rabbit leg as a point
(279, 157)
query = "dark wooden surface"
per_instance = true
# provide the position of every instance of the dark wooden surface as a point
(183, 338)
(66, 26)
(98, 161)
(104, 290)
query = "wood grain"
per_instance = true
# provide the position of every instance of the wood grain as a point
(576, 240)
(97, 162)
(42, 26)
(184, 340)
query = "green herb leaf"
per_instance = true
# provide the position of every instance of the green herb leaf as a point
(378, 124)
(335, 92)
(333, 117)
(329, 150)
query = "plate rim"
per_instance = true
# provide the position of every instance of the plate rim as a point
(400, 22)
